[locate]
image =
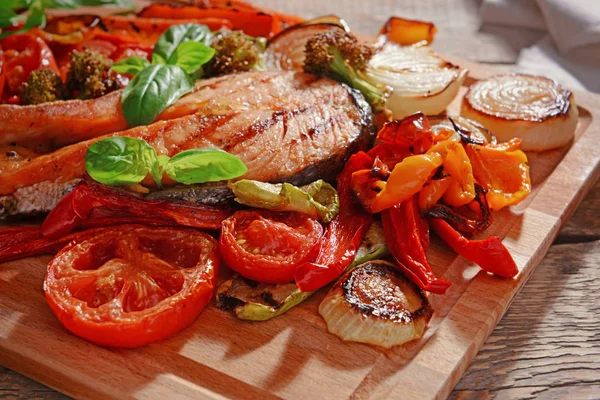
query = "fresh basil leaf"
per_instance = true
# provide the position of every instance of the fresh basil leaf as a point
(171, 39)
(151, 91)
(157, 169)
(204, 165)
(130, 65)
(120, 160)
(37, 17)
(163, 160)
(15, 4)
(7, 17)
(190, 56)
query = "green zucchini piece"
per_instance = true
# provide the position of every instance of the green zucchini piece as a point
(318, 199)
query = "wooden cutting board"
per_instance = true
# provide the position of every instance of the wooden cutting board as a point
(294, 356)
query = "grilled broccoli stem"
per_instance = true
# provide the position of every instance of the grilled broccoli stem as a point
(340, 56)
(43, 86)
(235, 52)
(89, 76)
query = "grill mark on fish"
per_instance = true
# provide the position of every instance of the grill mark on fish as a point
(219, 122)
(322, 123)
(134, 27)
(263, 125)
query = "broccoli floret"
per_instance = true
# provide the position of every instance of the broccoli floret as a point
(235, 52)
(43, 86)
(340, 56)
(90, 76)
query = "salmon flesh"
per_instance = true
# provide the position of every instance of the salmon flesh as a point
(285, 126)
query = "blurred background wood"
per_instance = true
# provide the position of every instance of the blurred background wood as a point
(548, 343)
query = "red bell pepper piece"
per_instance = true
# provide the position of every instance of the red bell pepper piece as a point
(73, 209)
(18, 243)
(405, 232)
(343, 235)
(490, 254)
(413, 133)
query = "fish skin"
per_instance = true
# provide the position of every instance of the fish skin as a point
(285, 126)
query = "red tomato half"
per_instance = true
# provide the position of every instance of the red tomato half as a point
(267, 247)
(131, 285)
(22, 54)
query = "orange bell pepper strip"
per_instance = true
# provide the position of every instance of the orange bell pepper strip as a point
(432, 192)
(406, 179)
(407, 32)
(253, 23)
(461, 189)
(286, 19)
(503, 171)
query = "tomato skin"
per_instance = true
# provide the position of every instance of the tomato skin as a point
(292, 239)
(115, 323)
(23, 54)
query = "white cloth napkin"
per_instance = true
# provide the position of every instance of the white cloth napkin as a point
(569, 53)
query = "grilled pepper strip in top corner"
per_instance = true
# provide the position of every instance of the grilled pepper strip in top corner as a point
(490, 254)
(405, 234)
(344, 234)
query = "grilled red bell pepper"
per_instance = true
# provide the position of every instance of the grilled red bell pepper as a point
(413, 132)
(405, 232)
(24, 242)
(490, 254)
(343, 235)
(73, 209)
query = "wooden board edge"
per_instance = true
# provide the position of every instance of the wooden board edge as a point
(560, 205)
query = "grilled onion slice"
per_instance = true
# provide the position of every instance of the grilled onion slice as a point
(375, 304)
(536, 109)
(421, 79)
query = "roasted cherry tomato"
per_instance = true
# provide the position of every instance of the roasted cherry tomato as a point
(268, 247)
(22, 54)
(131, 285)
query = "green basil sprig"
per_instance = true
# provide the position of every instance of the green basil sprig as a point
(168, 43)
(152, 90)
(122, 160)
(35, 14)
(178, 55)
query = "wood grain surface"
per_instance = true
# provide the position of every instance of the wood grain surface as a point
(556, 354)
(547, 343)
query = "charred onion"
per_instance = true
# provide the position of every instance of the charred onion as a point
(533, 108)
(374, 303)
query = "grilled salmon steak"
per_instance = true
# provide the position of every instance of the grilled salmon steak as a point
(52, 125)
(285, 126)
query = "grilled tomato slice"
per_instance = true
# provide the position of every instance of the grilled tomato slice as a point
(131, 285)
(268, 247)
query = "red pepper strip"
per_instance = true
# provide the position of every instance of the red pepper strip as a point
(390, 154)
(403, 235)
(104, 216)
(62, 220)
(490, 254)
(413, 132)
(68, 215)
(343, 235)
(18, 243)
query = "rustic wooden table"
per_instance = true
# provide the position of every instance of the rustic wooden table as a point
(548, 343)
